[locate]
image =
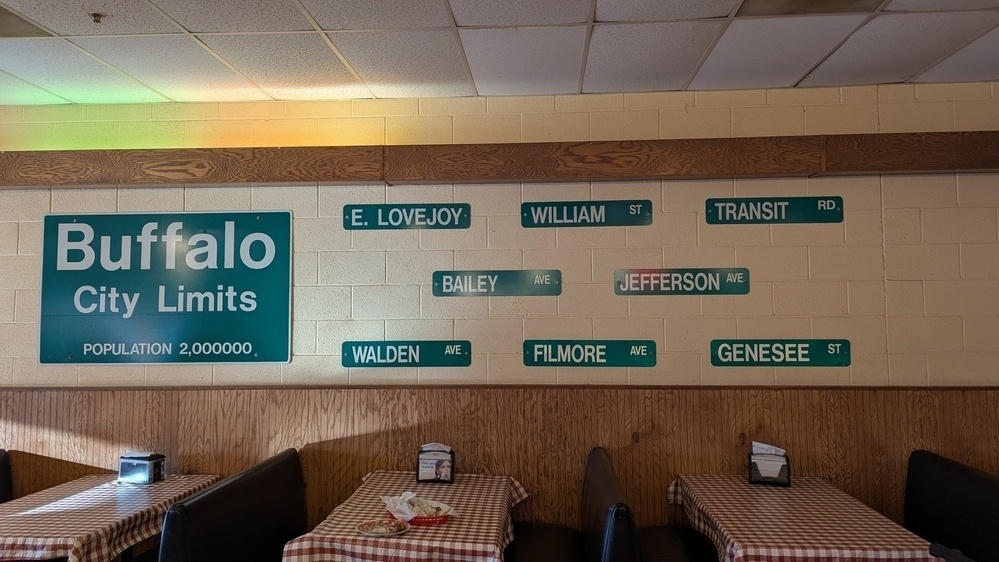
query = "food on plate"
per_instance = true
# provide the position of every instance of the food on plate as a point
(385, 527)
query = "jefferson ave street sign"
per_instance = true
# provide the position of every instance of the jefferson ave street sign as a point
(696, 281)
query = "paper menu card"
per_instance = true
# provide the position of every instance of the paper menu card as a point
(765, 449)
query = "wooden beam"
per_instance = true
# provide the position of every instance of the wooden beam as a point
(620, 160)
(191, 166)
(803, 156)
(900, 153)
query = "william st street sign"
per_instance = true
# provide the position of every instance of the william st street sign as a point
(586, 213)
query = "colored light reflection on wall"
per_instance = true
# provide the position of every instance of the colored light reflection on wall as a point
(164, 126)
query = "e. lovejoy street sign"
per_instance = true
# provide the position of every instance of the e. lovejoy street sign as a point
(166, 288)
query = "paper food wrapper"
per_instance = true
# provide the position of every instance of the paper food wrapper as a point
(407, 506)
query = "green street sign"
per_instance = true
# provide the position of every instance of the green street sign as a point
(695, 281)
(590, 353)
(407, 216)
(636, 212)
(426, 353)
(166, 288)
(497, 283)
(774, 210)
(780, 353)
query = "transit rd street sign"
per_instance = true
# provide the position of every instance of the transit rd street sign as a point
(774, 210)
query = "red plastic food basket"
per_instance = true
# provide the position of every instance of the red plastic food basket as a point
(424, 520)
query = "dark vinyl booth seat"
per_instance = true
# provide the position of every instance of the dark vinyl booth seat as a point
(608, 531)
(954, 506)
(6, 482)
(248, 516)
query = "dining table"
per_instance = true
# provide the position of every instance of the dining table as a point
(91, 519)
(809, 521)
(478, 531)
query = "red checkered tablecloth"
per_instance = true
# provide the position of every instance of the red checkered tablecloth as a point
(479, 533)
(91, 519)
(812, 521)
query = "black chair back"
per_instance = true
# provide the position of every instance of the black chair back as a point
(248, 516)
(607, 524)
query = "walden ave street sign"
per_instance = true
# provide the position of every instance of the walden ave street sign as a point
(166, 288)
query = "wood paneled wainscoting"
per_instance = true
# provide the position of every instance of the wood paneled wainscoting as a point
(858, 439)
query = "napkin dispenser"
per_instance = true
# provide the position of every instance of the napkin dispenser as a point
(140, 467)
(768, 468)
(435, 463)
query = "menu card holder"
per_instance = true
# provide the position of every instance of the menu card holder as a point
(435, 463)
(765, 468)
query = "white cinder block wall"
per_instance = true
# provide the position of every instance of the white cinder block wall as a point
(911, 278)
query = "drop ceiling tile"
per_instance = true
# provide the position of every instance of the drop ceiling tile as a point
(289, 66)
(895, 47)
(70, 17)
(199, 16)
(70, 73)
(175, 66)
(493, 13)
(383, 14)
(978, 62)
(14, 91)
(406, 64)
(525, 60)
(646, 57)
(771, 52)
(657, 10)
(13, 25)
(940, 5)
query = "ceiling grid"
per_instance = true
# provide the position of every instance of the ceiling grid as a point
(154, 51)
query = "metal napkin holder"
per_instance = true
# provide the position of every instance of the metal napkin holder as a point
(770, 469)
(140, 467)
(435, 463)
